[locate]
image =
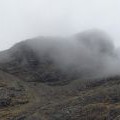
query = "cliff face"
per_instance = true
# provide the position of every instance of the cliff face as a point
(34, 87)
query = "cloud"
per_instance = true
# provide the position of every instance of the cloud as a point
(91, 54)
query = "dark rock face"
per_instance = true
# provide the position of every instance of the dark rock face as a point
(5, 102)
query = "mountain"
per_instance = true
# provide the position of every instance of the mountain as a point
(23, 62)
(36, 83)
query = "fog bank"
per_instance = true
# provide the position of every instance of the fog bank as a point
(91, 53)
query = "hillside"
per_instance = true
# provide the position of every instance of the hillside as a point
(78, 100)
(34, 86)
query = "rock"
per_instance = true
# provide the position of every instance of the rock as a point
(5, 102)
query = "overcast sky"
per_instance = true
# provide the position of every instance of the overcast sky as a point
(23, 19)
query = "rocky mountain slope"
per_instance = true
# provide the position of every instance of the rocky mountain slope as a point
(35, 88)
(25, 63)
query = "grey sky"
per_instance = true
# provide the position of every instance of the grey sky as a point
(23, 19)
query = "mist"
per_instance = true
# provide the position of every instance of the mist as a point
(25, 19)
(91, 54)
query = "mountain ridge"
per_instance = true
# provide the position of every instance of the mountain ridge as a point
(37, 87)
